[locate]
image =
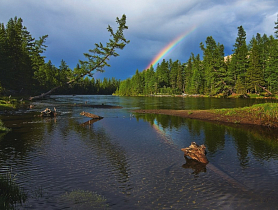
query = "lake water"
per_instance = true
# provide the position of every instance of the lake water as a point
(127, 161)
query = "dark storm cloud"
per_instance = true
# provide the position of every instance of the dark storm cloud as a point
(74, 26)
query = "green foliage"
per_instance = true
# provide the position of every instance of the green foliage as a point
(91, 86)
(7, 103)
(20, 56)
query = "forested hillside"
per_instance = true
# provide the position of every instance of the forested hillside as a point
(252, 68)
(23, 70)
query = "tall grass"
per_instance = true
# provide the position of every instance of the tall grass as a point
(268, 111)
(10, 193)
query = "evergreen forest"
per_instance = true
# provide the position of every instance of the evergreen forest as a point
(252, 68)
(24, 71)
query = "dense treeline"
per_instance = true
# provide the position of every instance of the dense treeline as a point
(23, 69)
(91, 87)
(252, 68)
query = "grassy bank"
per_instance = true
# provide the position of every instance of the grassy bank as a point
(11, 103)
(266, 114)
(260, 114)
(6, 104)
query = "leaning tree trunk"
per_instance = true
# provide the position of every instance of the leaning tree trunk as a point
(44, 94)
(98, 57)
(264, 88)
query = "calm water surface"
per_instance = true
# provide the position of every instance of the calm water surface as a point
(127, 161)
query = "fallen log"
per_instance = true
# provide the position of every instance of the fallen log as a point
(93, 116)
(196, 152)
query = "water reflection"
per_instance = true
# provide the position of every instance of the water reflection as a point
(136, 163)
(195, 165)
(99, 142)
(55, 151)
(259, 141)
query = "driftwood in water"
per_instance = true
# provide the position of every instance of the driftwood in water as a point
(48, 113)
(196, 152)
(93, 116)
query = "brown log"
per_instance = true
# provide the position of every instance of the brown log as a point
(196, 152)
(93, 116)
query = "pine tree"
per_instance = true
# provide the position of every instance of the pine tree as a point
(239, 62)
(180, 75)
(271, 72)
(188, 74)
(162, 72)
(196, 79)
(137, 81)
(254, 74)
(149, 80)
(213, 66)
(276, 28)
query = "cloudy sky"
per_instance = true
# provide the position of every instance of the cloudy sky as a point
(74, 26)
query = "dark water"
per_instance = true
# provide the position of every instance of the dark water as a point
(134, 162)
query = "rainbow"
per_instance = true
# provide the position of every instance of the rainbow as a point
(170, 47)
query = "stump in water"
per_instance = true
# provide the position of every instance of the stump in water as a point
(93, 116)
(48, 113)
(196, 152)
